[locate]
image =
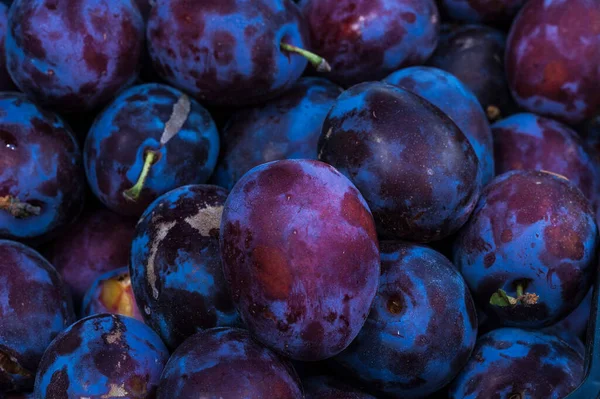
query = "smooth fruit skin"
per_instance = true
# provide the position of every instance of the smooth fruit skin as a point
(6, 83)
(227, 363)
(227, 52)
(449, 94)
(511, 362)
(366, 40)
(326, 387)
(422, 326)
(96, 243)
(73, 55)
(102, 355)
(36, 307)
(487, 11)
(40, 163)
(300, 252)
(415, 167)
(552, 58)
(131, 125)
(534, 227)
(576, 323)
(287, 127)
(175, 264)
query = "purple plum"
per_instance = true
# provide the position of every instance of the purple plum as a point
(326, 387)
(6, 83)
(576, 322)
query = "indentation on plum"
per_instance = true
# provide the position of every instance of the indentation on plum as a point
(395, 304)
(11, 365)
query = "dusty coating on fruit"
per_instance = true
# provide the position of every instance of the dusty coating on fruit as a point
(6, 83)
(40, 165)
(531, 228)
(447, 93)
(101, 354)
(227, 362)
(73, 55)
(327, 387)
(552, 58)
(149, 117)
(365, 40)
(301, 255)
(416, 169)
(34, 308)
(422, 326)
(191, 49)
(473, 11)
(284, 128)
(574, 326)
(175, 265)
(510, 361)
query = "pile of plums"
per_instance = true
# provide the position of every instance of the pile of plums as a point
(278, 199)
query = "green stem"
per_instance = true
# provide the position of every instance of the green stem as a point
(520, 290)
(18, 209)
(133, 194)
(317, 61)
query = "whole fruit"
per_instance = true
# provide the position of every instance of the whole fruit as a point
(73, 55)
(301, 255)
(416, 169)
(227, 363)
(421, 329)
(552, 58)
(488, 11)
(151, 139)
(528, 253)
(102, 355)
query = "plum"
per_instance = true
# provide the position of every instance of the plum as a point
(175, 264)
(301, 254)
(73, 55)
(449, 94)
(416, 169)
(326, 387)
(365, 40)
(226, 362)
(232, 52)
(576, 322)
(41, 175)
(111, 293)
(6, 83)
(486, 11)
(475, 55)
(511, 363)
(528, 253)
(97, 243)
(287, 127)
(552, 58)
(422, 326)
(102, 356)
(151, 139)
(36, 307)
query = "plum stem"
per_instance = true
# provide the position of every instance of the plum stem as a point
(502, 299)
(18, 209)
(317, 61)
(133, 194)
(519, 290)
(493, 113)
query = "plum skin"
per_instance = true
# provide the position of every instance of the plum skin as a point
(534, 228)
(6, 83)
(73, 55)
(299, 226)
(496, 12)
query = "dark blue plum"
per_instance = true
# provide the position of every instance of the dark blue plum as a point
(325, 387)
(102, 356)
(175, 264)
(416, 169)
(475, 55)
(486, 11)
(449, 94)
(512, 363)
(365, 40)
(227, 363)
(300, 252)
(6, 83)
(41, 175)
(528, 253)
(73, 55)
(285, 128)
(227, 52)
(151, 139)
(422, 326)
(35, 307)
(575, 324)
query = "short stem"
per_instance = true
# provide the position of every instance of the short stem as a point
(493, 113)
(520, 290)
(317, 61)
(133, 194)
(18, 209)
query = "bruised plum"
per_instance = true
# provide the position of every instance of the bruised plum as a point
(300, 252)
(422, 326)
(325, 387)
(227, 363)
(102, 356)
(35, 308)
(528, 252)
(416, 169)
